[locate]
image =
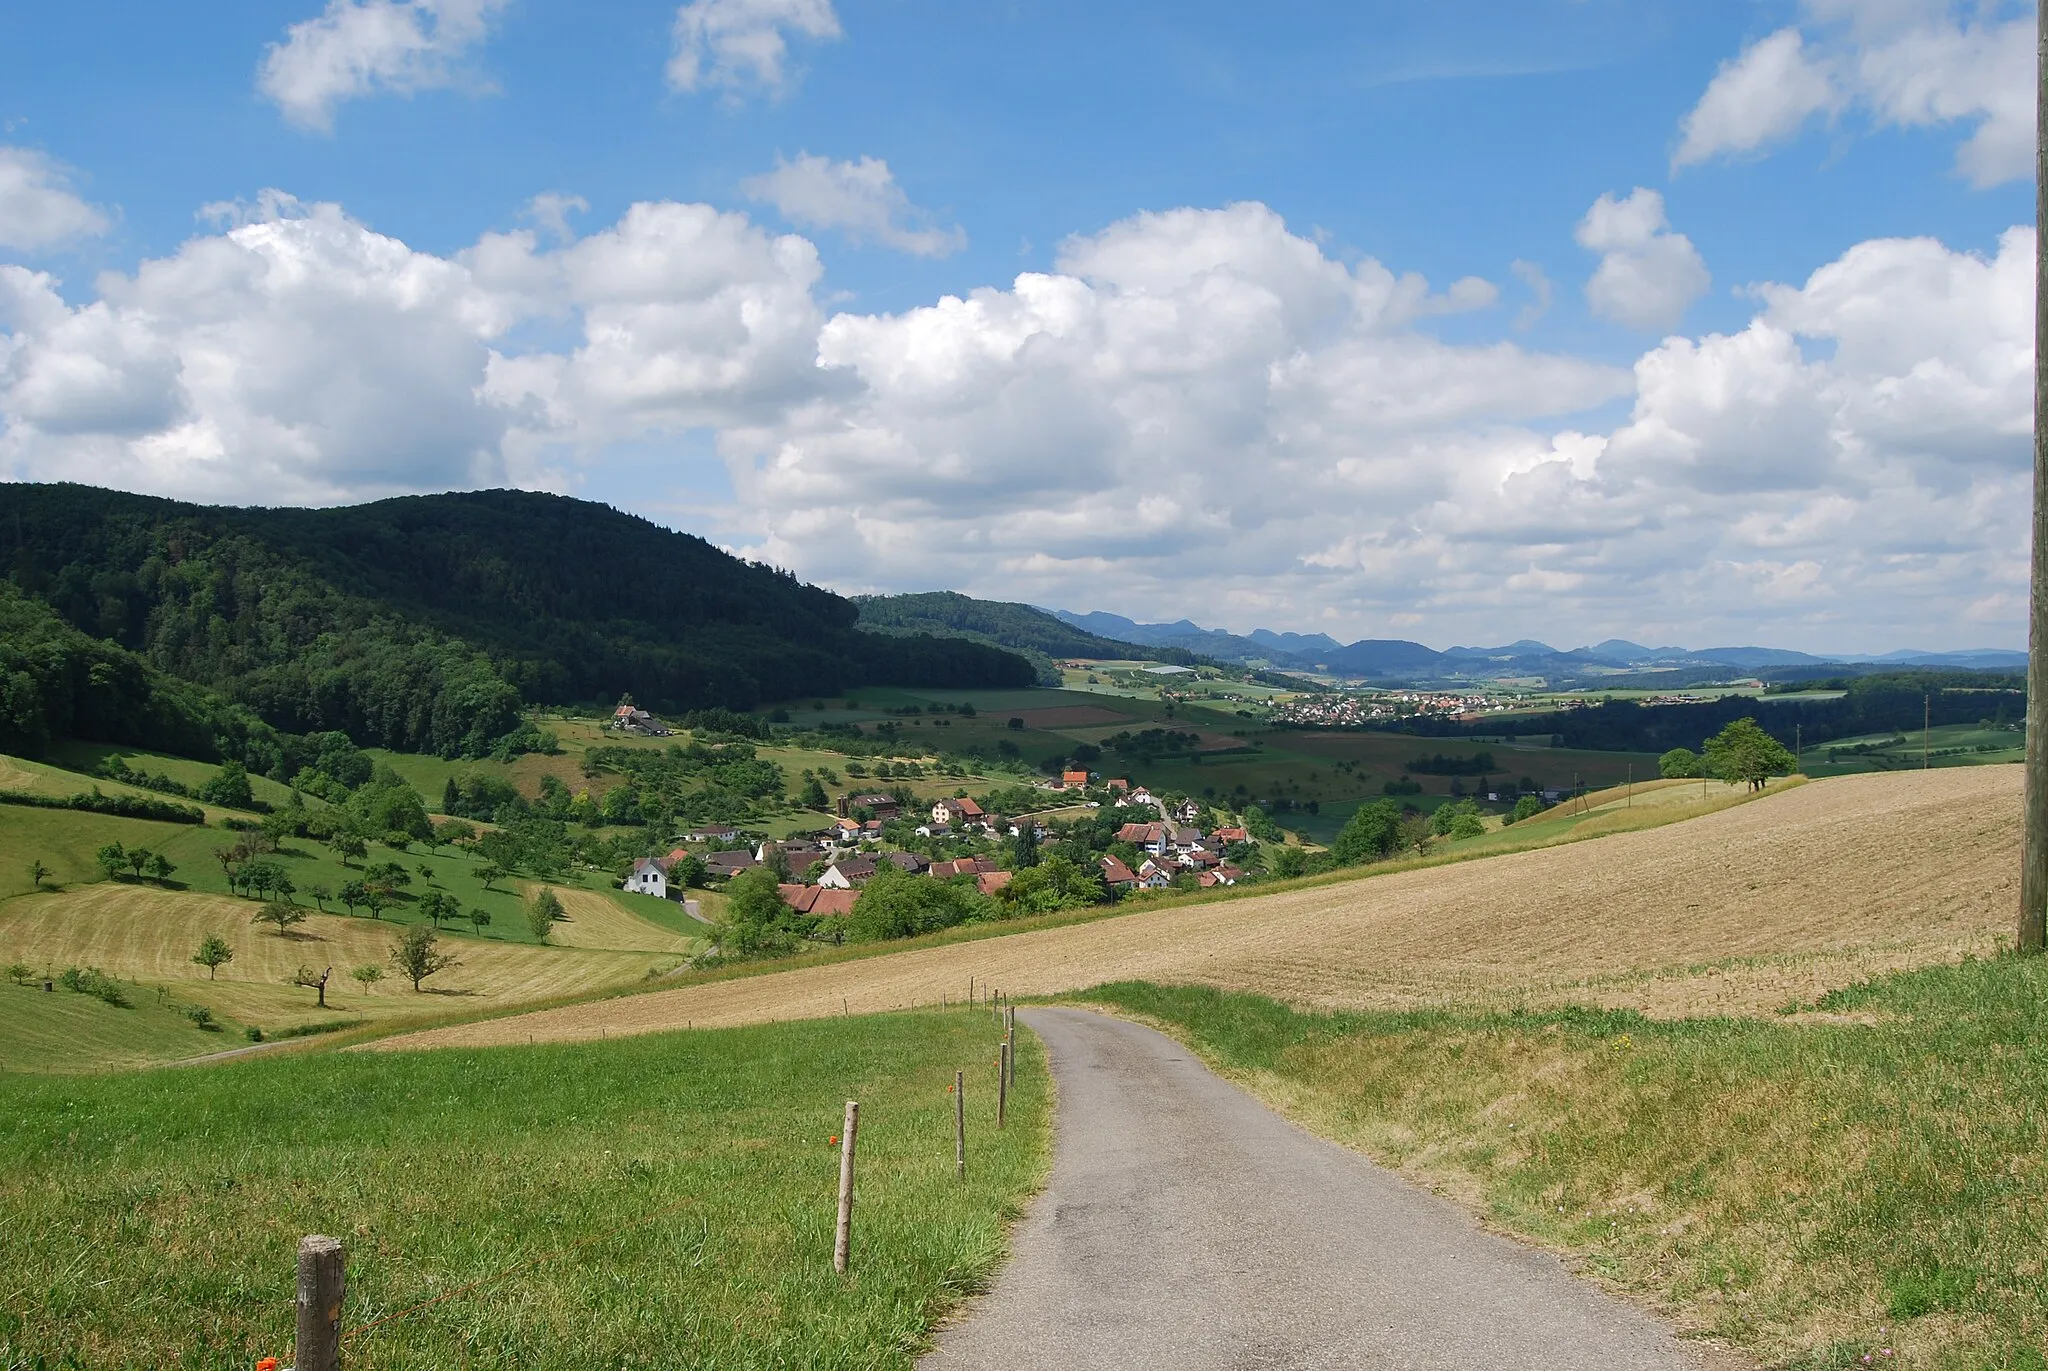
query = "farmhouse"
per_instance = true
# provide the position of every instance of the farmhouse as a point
(1074, 780)
(1117, 875)
(724, 865)
(818, 900)
(958, 811)
(1188, 811)
(845, 875)
(913, 862)
(721, 833)
(881, 806)
(649, 877)
(627, 718)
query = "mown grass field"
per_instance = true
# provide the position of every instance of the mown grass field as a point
(666, 1202)
(1860, 1185)
(145, 938)
(1947, 745)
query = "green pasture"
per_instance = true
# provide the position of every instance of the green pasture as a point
(85, 757)
(1946, 745)
(58, 1030)
(65, 841)
(661, 1201)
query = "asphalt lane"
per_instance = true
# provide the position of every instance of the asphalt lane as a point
(1189, 1227)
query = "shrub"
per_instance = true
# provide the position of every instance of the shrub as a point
(88, 980)
(202, 1017)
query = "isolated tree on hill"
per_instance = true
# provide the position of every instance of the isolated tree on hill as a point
(1528, 807)
(160, 867)
(1679, 764)
(213, 954)
(479, 919)
(1743, 754)
(313, 980)
(374, 900)
(490, 873)
(321, 895)
(111, 858)
(1373, 832)
(37, 872)
(353, 893)
(347, 846)
(229, 787)
(367, 975)
(414, 955)
(282, 916)
(137, 858)
(541, 914)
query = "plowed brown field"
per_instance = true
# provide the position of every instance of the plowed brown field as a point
(1736, 912)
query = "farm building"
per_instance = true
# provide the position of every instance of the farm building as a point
(649, 877)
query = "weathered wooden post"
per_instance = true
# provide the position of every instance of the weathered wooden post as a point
(322, 1284)
(842, 1238)
(1002, 1082)
(960, 1124)
(2033, 920)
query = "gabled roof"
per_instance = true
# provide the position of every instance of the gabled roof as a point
(814, 899)
(989, 882)
(1116, 873)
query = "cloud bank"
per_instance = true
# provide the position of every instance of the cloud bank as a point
(1195, 411)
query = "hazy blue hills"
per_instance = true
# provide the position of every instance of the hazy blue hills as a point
(1398, 658)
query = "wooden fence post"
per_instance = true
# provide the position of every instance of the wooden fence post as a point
(842, 1238)
(322, 1284)
(1002, 1082)
(960, 1124)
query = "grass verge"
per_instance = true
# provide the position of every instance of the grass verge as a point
(1818, 1189)
(672, 1198)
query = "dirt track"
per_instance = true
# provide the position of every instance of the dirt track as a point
(1737, 912)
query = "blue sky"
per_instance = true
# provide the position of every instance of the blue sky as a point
(1615, 427)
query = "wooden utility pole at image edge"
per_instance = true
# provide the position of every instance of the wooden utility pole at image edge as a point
(2034, 862)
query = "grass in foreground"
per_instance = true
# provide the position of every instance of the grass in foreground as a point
(151, 1220)
(1812, 1189)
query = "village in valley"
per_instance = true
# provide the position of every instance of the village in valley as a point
(1157, 842)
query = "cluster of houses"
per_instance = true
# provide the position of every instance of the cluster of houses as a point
(1173, 848)
(1174, 845)
(631, 719)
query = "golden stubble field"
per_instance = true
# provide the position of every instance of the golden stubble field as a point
(148, 935)
(1739, 912)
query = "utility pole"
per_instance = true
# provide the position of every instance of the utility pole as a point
(2034, 861)
(1926, 719)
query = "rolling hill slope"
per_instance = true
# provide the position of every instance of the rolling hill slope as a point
(1739, 912)
(422, 623)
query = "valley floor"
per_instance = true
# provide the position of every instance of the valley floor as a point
(1748, 910)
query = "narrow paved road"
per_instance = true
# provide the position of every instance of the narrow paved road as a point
(1189, 1227)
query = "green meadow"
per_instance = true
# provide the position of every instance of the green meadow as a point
(663, 1201)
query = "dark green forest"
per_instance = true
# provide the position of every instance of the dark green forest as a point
(1870, 704)
(1021, 628)
(423, 623)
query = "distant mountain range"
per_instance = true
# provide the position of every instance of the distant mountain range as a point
(1371, 658)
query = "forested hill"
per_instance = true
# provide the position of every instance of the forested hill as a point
(1020, 628)
(422, 622)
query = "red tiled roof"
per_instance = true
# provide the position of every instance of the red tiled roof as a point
(1116, 873)
(989, 882)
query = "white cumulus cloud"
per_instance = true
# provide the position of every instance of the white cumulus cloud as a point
(1903, 63)
(1193, 412)
(860, 199)
(741, 44)
(38, 208)
(357, 47)
(1648, 275)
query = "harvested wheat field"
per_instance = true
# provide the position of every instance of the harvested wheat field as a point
(142, 934)
(1738, 912)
